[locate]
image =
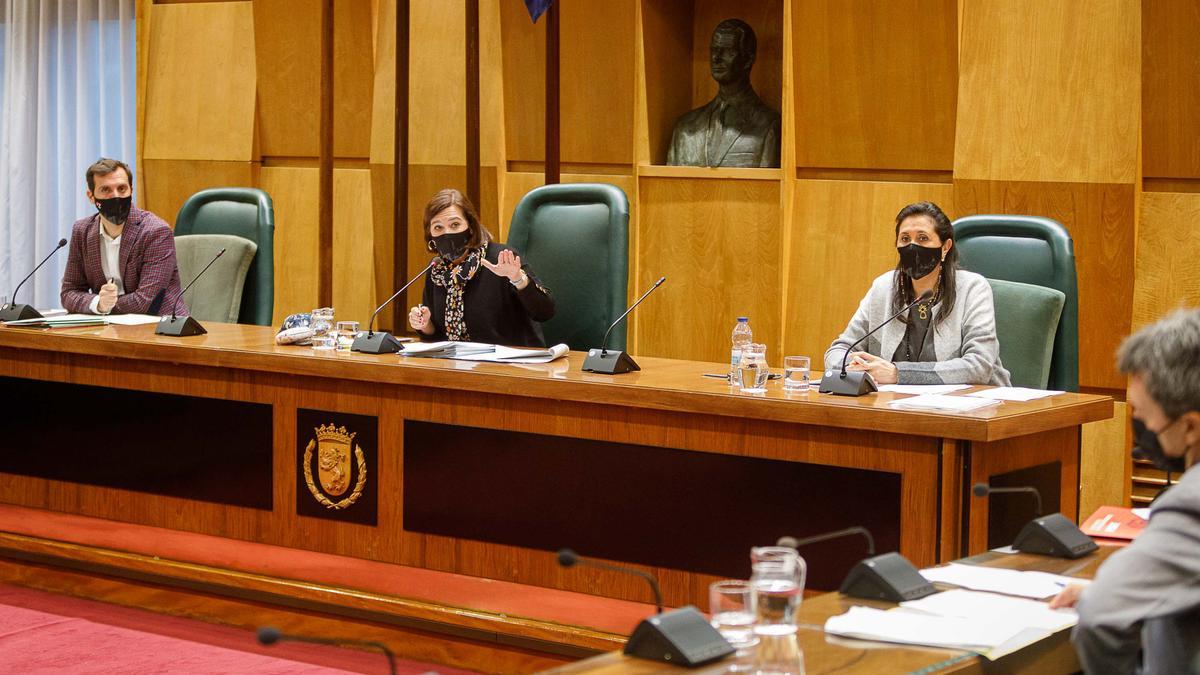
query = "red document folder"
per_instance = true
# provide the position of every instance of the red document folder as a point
(1113, 522)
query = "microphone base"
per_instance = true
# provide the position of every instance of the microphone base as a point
(681, 637)
(179, 326)
(852, 383)
(609, 362)
(19, 313)
(376, 343)
(1054, 535)
(886, 577)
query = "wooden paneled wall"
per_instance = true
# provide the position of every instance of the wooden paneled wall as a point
(1081, 110)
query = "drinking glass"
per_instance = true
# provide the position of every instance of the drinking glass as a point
(778, 583)
(346, 332)
(324, 342)
(731, 604)
(322, 320)
(752, 369)
(795, 373)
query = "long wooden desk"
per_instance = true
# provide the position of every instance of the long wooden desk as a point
(824, 653)
(485, 469)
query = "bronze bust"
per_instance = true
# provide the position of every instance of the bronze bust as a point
(736, 128)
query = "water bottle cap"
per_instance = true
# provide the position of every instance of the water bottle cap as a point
(743, 319)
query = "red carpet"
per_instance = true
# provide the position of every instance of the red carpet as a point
(47, 633)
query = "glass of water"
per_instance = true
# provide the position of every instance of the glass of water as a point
(731, 604)
(346, 331)
(753, 370)
(778, 584)
(796, 371)
(322, 320)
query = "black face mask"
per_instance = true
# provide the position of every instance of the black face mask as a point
(1145, 446)
(115, 209)
(918, 261)
(452, 245)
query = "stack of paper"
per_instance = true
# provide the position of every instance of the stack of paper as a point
(447, 349)
(479, 351)
(60, 321)
(1037, 585)
(942, 403)
(923, 388)
(1014, 393)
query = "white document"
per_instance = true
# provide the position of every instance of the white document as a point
(132, 319)
(1014, 393)
(990, 607)
(1144, 514)
(446, 349)
(923, 388)
(1035, 585)
(519, 355)
(942, 403)
(918, 628)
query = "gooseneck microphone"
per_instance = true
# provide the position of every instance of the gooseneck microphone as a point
(615, 362)
(983, 490)
(792, 542)
(1054, 534)
(859, 382)
(384, 343)
(15, 312)
(569, 558)
(176, 326)
(270, 636)
(681, 637)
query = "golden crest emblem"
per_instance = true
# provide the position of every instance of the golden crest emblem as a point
(335, 451)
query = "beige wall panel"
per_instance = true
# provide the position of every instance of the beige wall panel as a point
(843, 237)
(200, 89)
(1167, 268)
(437, 122)
(382, 206)
(491, 86)
(668, 55)
(353, 78)
(1100, 219)
(170, 182)
(287, 36)
(523, 45)
(718, 242)
(294, 193)
(766, 18)
(868, 97)
(1171, 88)
(1104, 462)
(383, 94)
(1049, 91)
(596, 119)
(353, 245)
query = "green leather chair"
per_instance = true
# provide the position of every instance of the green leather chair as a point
(217, 296)
(246, 213)
(576, 239)
(1027, 319)
(1030, 250)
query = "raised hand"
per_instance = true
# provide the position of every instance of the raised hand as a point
(507, 265)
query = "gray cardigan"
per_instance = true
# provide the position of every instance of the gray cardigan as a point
(964, 346)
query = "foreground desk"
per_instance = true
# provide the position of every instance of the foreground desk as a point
(486, 469)
(823, 653)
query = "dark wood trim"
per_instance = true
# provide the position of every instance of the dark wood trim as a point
(472, 85)
(552, 91)
(880, 175)
(1178, 184)
(325, 166)
(400, 169)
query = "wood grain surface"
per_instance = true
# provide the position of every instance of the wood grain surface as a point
(1170, 89)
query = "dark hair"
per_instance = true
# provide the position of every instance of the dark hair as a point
(902, 287)
(103, 167)
(443, 200)
(747, 40)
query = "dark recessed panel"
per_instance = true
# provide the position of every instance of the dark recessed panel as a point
(1008, 513)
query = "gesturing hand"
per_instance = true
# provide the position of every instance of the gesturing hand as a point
(881, 370)
(507, 265)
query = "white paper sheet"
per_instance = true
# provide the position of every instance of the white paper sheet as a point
(514, 355)
(923, 388)
(1144, 514)
(1037, 585)
(132, 319)
(1014, 393)
(916, 628)
(942, 403)
(985, 607)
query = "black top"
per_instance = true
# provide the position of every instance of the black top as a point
(913, 346)
(495, 312)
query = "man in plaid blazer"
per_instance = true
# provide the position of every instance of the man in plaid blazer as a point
(122, 259)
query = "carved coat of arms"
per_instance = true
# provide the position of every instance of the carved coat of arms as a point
(338, 460)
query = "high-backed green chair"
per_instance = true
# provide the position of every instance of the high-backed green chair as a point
(1027, 319)
(1031, 250)
(246, 213)
(576, 239)
(216, 296)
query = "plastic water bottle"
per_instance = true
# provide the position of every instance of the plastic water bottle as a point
(742, 336)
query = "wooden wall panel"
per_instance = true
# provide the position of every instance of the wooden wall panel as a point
(1049, 91)
(1104, 462)
(294, 194)
(383, 94)
(169, 182)
(353, 77)
(1170, 88)
(200, 99)
(843, 237)
(1167, 267)
(868, 96)
(523, 44)
(383, 236)
(1100, 219)
(667, 53)
(287, 35)
(437, 103)
(718, 242)
(353, 246)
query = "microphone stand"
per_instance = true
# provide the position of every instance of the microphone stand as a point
(860, 382)
(185, 326)
(381, 342)
(615, 362)
(15, 312)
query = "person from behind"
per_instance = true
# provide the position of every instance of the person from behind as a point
(1145, 598)
(478, 290)
(121, 259)
(949, 338)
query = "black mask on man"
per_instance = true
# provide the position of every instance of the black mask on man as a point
(1146, 446)
(918, 261)
(115, 209)
(452, 245)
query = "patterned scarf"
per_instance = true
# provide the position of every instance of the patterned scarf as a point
(454, 279)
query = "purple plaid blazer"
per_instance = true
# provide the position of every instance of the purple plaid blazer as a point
(147, 266)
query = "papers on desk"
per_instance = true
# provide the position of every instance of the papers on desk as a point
(1037, 585)
(942, 403)
(62, 320)
(132, 319)
(1115, 522)
(923, 388)
(479, 351)
(1014, 393)
(975, 605)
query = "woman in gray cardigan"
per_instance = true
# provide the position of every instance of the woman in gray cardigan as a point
(949, 339)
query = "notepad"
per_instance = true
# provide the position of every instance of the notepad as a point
(942, 403)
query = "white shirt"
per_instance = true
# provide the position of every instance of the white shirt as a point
(110, 263)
